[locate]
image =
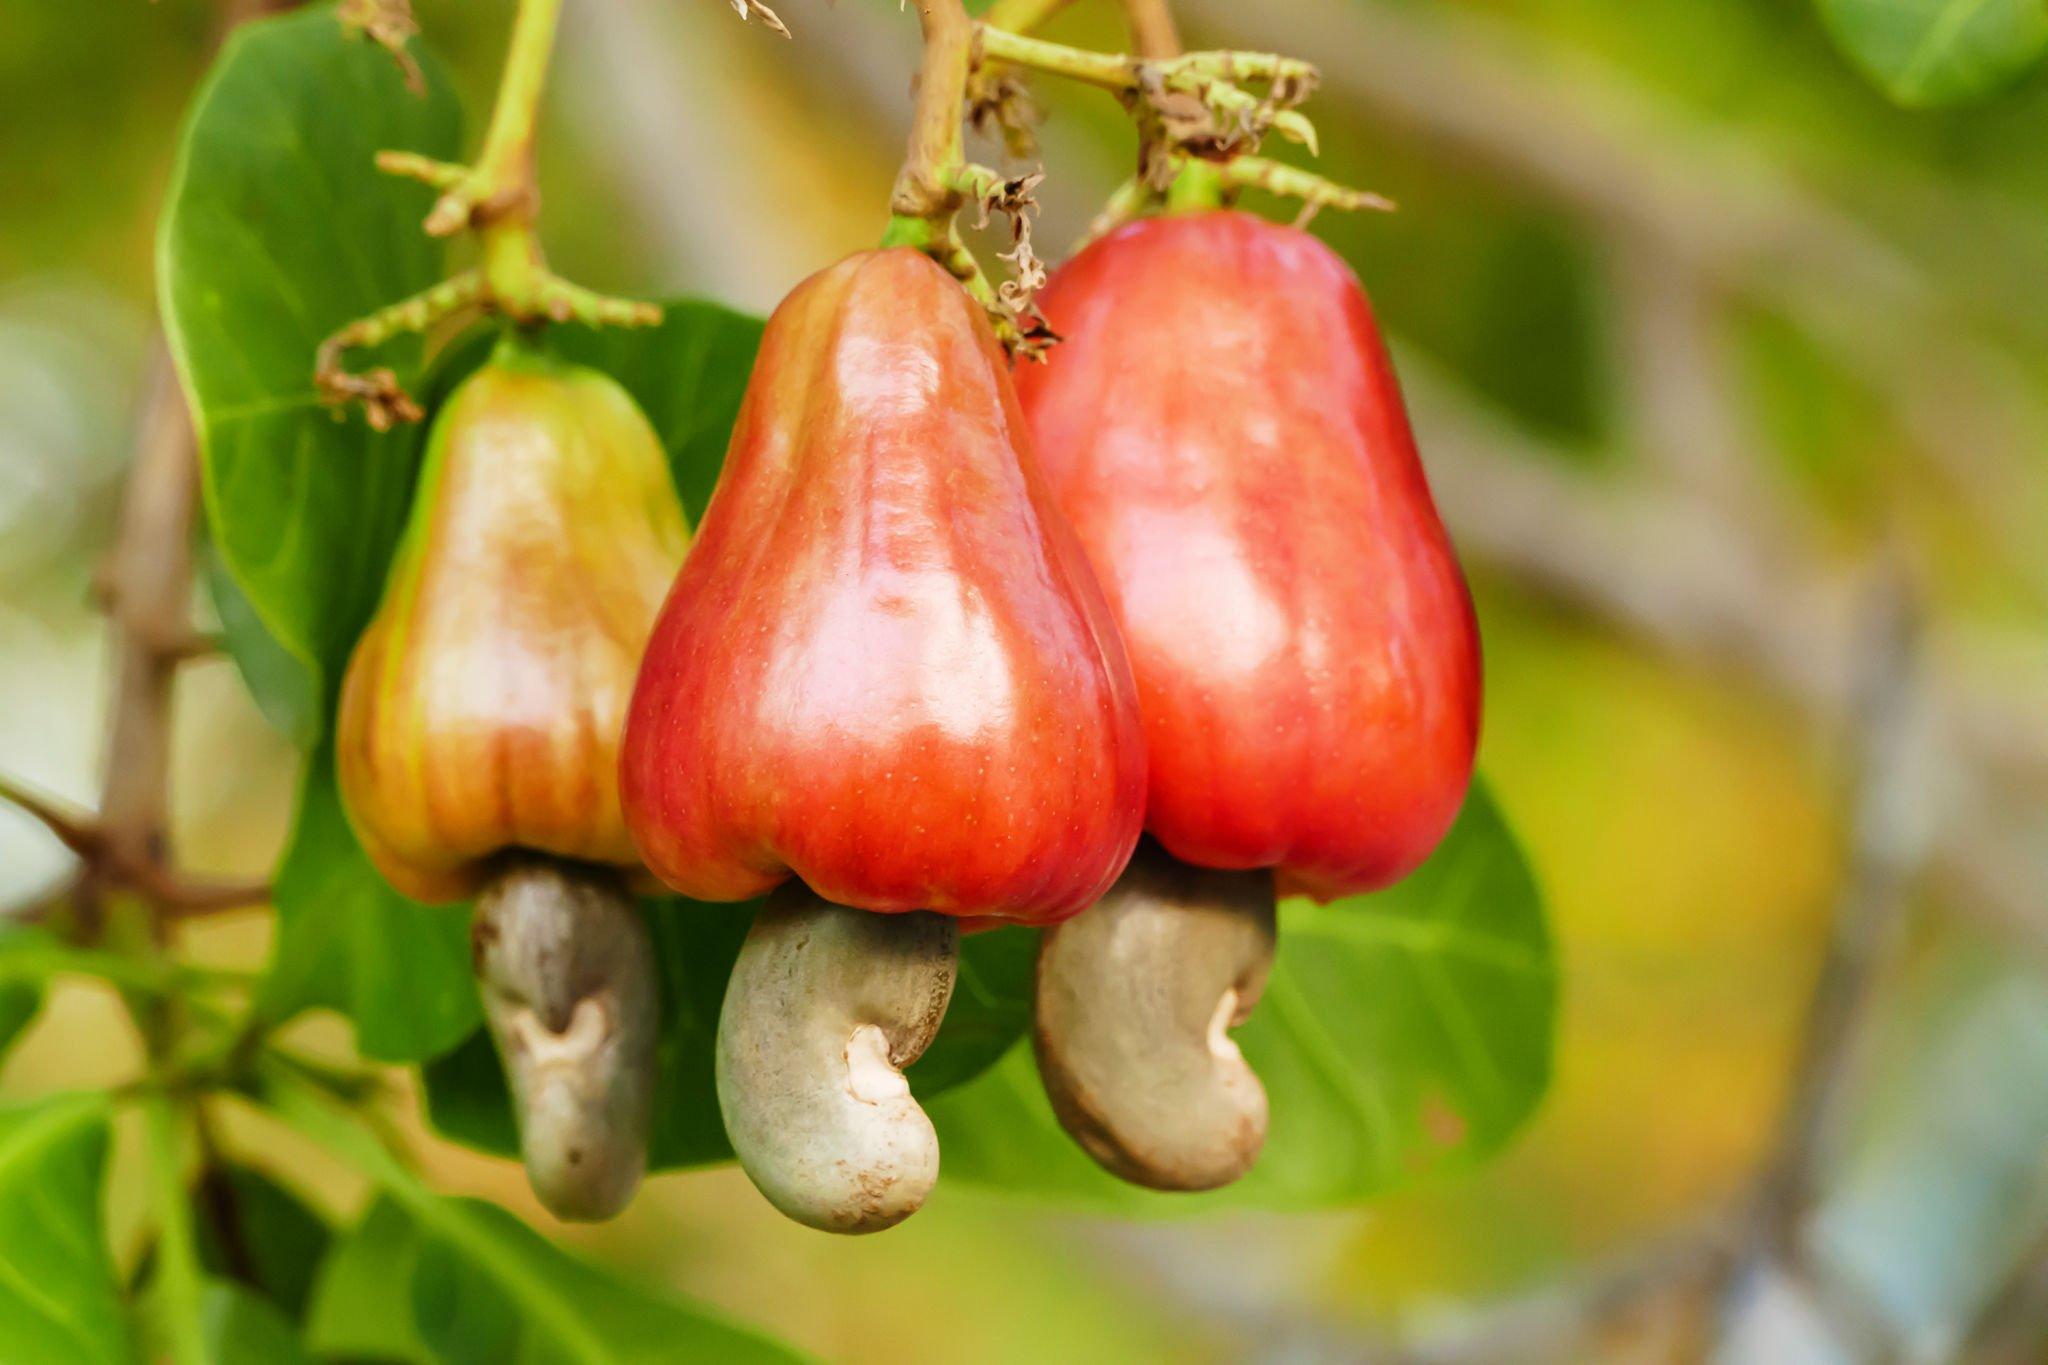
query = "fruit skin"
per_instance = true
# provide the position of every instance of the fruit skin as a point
(885, 667)
(482, 707)
(1223, 428)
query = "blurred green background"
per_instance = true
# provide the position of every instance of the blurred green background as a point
(1715, 358)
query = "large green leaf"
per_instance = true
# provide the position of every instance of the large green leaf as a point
(688, 375)
(431, 1278)
(346, 941)
(241, 1327)
(252, 1228)
(990, 1009)
(286, 691)
(696, 945)
(1402, 1033)
(455, 1281)
(279, 230)
(1936, 52)
(58, 1296)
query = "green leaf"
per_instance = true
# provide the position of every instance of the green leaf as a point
(696, 946)
(20, 1001)
(250, 1227)
(21, 980)
(990, 1010)
(347, 942)
(243, 1328)
(1926, 53)
(58, 1296)
(279, 230)
(454, 1281)
(688, 375)
(1402, 1033)
(31, 955)
(365, 1278)
(286, 692)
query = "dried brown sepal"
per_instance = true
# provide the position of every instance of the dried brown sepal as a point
(1016, 298)
(750, 9)
(384, 401)
(1000, 108)
(1211, 117)
(390, 25)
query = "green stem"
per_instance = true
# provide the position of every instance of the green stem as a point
(1197, 187)
(498, 199)
(936, 178)
(1275, 177)
(506, 160)
(924, 186)
(501, 197)
(177, 1283)
(1119, 73)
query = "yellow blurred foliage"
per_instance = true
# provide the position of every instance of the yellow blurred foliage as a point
(1682, 836)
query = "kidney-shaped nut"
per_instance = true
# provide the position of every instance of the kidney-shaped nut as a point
(567, 973)
(1135, 999)
(825, 1008)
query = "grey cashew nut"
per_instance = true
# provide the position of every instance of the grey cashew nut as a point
(825, 1008)
(1135, 997)
(571, 995)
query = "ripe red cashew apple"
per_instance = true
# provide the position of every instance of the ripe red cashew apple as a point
(886, 668)
(479, 730)
(1224, 430)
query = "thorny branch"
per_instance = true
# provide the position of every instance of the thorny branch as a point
(146, 590)
(1886, 847)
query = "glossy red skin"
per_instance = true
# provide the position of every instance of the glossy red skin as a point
(1223, 427)
(885, 665)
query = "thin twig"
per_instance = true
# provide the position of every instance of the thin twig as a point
(1886, 847)
(149, 594)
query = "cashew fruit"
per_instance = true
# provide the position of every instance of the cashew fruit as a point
(482, 708)
(886, 668)
(1223, 427)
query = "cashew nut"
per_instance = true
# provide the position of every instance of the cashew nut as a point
(825, 1008)
(1135, 997)
(567, 973)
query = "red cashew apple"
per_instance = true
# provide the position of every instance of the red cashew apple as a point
(885, 666)
(1223, 427)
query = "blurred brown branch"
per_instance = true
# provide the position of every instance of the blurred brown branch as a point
(145, 588)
